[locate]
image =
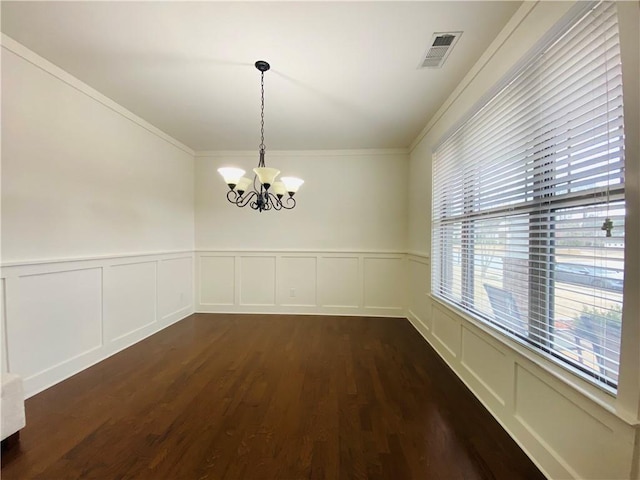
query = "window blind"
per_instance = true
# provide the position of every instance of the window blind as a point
(521, 192)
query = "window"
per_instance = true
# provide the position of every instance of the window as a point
(521, 191)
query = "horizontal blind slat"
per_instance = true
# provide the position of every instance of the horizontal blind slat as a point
(520, 194)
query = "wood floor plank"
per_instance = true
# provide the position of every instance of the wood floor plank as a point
(266, 397)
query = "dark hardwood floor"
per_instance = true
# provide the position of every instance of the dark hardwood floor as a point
(266, 397)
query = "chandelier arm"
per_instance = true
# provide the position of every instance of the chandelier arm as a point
(275, 202)
(289, 203)
(246, 199)
(241, 201)
(232, 196)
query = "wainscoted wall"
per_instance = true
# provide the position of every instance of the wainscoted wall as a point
(569, 427)
(60, 317)
(343, 283)
(567, 434)
(84, 189)
(82, 177)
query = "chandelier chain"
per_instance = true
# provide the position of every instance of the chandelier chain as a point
(262, 146)
(266, 193)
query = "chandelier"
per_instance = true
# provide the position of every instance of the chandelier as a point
(271, 195)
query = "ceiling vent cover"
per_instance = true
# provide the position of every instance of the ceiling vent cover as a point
(441, 46)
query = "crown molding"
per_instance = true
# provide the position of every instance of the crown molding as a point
(304, 153)
(503, 37)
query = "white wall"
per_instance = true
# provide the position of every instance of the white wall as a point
(97, 223)
(80, 179)
(340, 251)
(570, 428)
(351, 201)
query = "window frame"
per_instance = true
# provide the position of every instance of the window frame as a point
(542, 245)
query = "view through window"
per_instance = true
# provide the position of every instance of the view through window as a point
(523, 193)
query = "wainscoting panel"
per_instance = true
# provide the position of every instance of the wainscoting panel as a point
(305, 282)
(487, 364)
(446, 329)
(3, 328)
(258, 280)
(175, 288)
(587, 445)
(297, 281)
(56, 318)
(568, 434)
(217, 279)
(339, 282)
(129, 299)
(382, 276)
(63, 316)
(418, 301)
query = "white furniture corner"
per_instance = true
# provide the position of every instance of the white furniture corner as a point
(12, 406)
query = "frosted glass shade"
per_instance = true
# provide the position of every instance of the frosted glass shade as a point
(292, 184)
(266, 175)
(243, 184)
(278, 188)
(231, 175)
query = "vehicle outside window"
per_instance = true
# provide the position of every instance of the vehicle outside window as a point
(590, 276)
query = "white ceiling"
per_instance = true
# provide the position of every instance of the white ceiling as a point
(344, 74)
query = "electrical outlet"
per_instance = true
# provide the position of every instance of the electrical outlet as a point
(292, 292)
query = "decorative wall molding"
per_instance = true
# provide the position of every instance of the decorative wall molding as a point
(304, 153)
(300, 250)
(417, 256)
(301, 282)
(552, 422)
(74, 313)
(62, 316)
(418, 304)
(502, 38)
(119, 258)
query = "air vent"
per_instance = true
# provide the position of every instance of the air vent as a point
(441, 46)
